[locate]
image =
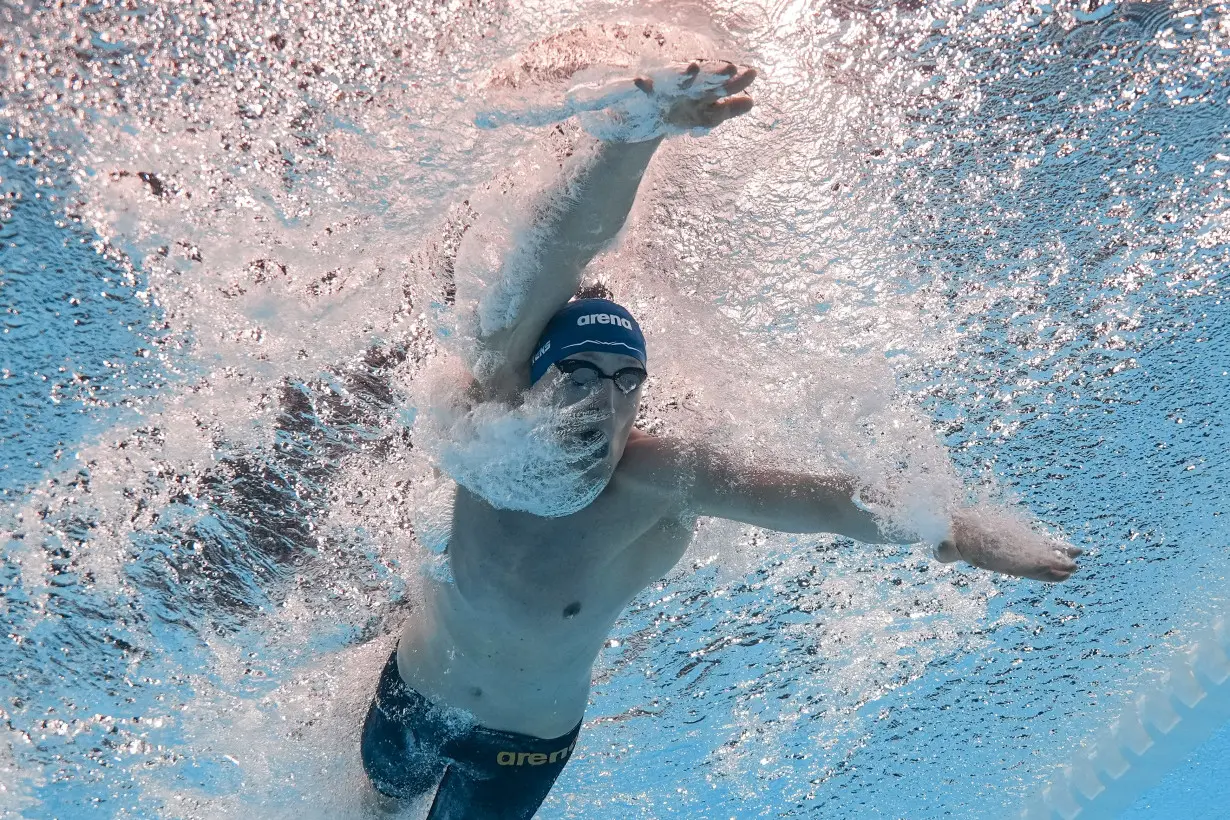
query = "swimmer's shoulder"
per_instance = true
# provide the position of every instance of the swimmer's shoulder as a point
(643, 450)
(658, 465)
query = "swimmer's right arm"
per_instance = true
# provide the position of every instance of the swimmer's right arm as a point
(584, 213)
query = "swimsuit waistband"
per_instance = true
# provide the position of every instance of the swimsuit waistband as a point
(394, 689)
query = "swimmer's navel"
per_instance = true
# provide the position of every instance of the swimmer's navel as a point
(572, 609)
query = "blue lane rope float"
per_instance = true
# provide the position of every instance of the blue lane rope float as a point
(1152, 735)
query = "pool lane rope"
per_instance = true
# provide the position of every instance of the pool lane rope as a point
(1154, 733)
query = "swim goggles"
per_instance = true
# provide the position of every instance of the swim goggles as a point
(587, 375)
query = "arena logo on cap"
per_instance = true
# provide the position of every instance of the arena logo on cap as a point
(604, 319)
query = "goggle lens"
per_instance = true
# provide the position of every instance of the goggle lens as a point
(629, 379)
(586, 374)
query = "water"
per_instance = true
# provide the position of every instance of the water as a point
(996, 231)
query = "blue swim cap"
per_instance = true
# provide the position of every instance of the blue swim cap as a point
(587, 325)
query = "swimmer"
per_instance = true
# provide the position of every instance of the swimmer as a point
(479, 707)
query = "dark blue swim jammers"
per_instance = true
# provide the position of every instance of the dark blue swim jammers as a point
(411, 746)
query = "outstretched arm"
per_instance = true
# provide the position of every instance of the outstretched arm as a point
(588, 210)
(582, 216)
(984, 536)
(784, 501)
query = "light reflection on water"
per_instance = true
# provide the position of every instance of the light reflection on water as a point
(1017, 218)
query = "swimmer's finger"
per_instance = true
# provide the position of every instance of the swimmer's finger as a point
(728, 108)
(721, 77)
(1056, 574)
(690, 74)
(739, 81)
(718, 72)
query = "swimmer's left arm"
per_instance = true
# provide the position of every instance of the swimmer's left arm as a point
(583, 213)
(984, 536)
(784, 501)
(700, 481)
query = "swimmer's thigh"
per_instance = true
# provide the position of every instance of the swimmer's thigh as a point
(399, 746)
(507, 795)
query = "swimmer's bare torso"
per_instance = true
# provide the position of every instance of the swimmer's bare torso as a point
(513, 638)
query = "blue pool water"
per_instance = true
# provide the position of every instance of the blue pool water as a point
(224, 235)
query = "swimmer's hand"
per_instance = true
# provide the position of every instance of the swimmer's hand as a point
(702, 94)
(681, 98)
(994, 541)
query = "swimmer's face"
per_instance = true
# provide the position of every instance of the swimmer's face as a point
(608, 412)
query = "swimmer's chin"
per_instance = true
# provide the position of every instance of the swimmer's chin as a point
(595, 446)
(598, 465)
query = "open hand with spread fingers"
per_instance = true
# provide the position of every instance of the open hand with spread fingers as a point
(702, 94)
(681, 98)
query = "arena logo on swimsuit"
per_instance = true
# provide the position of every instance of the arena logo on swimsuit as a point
(534, 758)
(604, 319)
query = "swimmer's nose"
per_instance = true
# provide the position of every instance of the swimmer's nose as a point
(598, 395)
(610, 395)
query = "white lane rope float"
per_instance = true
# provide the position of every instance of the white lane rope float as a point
(1154, 733)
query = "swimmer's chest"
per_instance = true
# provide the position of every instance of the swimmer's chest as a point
(590, 562)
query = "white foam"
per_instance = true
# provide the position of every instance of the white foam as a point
(294, 751)
(526, 457)
(17, 785)
(780, 307)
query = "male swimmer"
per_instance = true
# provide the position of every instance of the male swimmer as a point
(481, 703)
